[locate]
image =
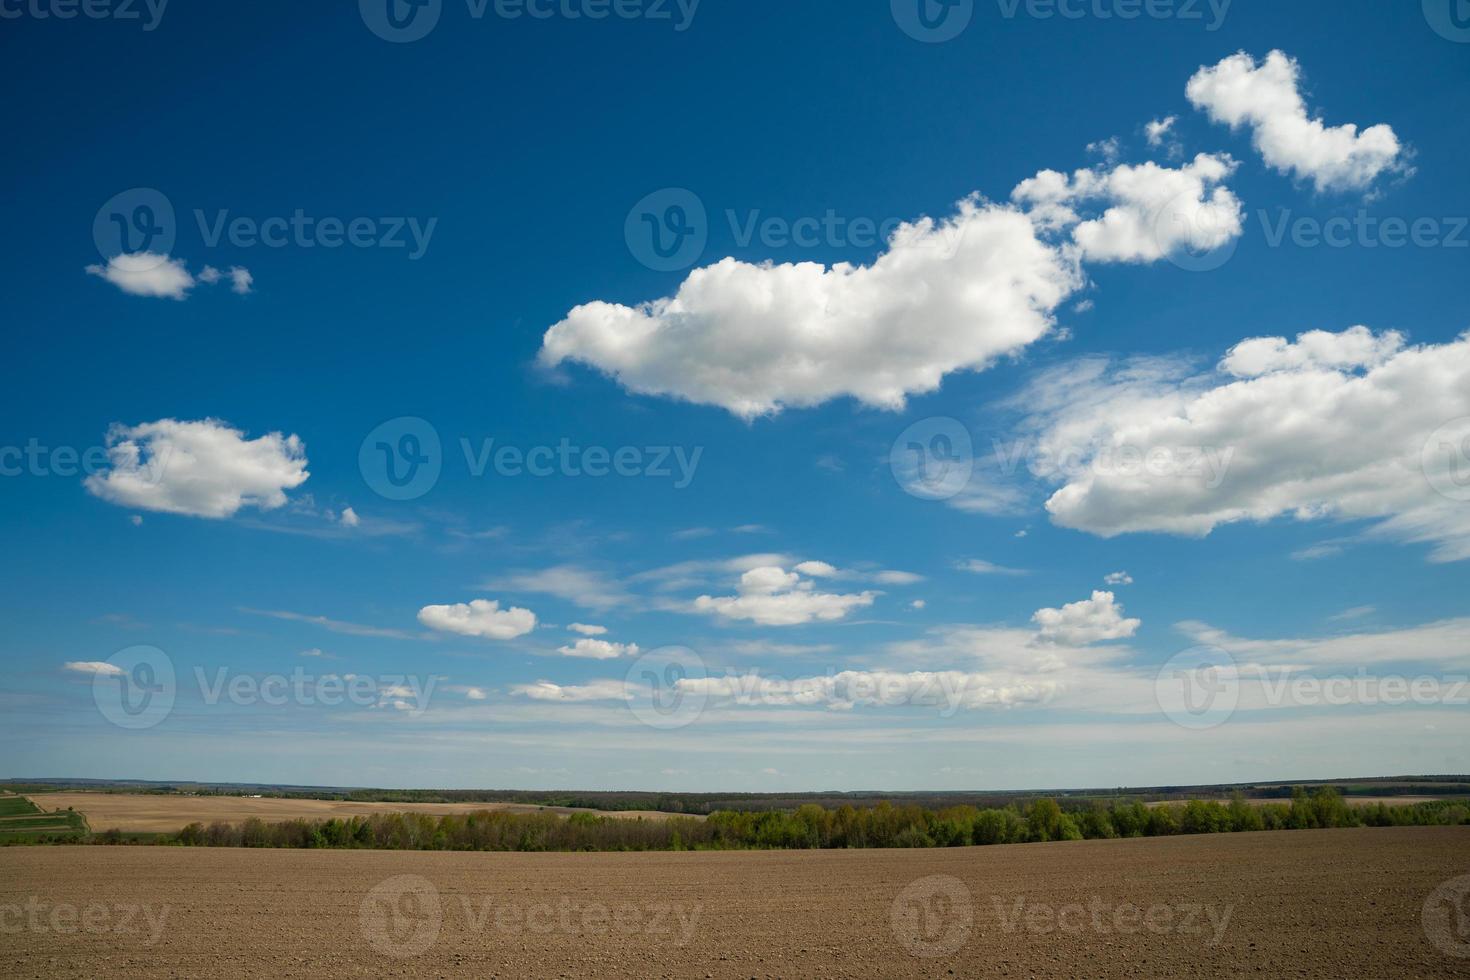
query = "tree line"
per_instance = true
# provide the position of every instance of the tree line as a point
(815, 826)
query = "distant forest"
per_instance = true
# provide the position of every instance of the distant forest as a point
(812, 826)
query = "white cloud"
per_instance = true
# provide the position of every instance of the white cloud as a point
(204, 468)
(1158, 129)
(816, 569)
(94, 667)
(918, 604)
(1117, 578)
(349, 517)
(947, 690)
(1139, 213)
(589, 649)
(1344, 426)
(315, 653)
(581, 586)
(480, 617)
(894, 577)
(979, 566)
(240, 278)
(1265, 97)
(146, 274)
(1088, 621)
(152, 274)
(772, 596)
(946, 296)
(587, 630)
(601, 690)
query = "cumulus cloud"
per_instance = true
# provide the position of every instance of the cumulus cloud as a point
(153, 274)
(772, 596)
(146, 274)
(1239, 92)
(1117, 578)
(1088, 621)
(479, 617)
(587, 630)
(949, 295)
(1158, 129)
(1139, 213)
(1352, 425)
(349, 518)
(203, 469)
(590, 649)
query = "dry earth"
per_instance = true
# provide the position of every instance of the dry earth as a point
(143, 812)
(1333, 903)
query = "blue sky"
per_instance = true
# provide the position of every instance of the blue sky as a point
(501, 175)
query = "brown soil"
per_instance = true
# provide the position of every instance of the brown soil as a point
(1331, 903)
(158, 813)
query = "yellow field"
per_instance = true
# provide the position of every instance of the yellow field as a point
(138, 812)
